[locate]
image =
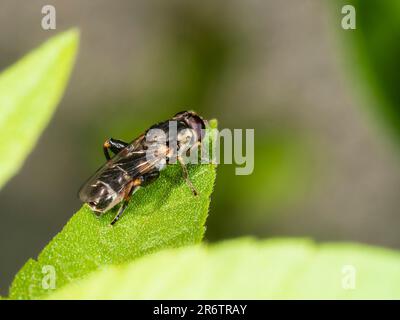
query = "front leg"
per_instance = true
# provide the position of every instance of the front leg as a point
(150, 177)
(114, 145)
(186, 177)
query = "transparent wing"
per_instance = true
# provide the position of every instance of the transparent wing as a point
(129, 164)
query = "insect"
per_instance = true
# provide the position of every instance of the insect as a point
(138, 163)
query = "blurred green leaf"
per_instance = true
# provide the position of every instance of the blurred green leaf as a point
(249, 269)
(372, 51)
(29, 93)
(164, 214)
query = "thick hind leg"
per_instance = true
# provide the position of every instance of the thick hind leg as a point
(114, 145)
(130, 190)
(142, 181)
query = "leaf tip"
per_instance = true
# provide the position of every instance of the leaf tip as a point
(213, 123)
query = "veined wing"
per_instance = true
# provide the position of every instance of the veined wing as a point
(129, 164)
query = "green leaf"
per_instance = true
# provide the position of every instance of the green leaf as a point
(164, 214)
(372, 53)
(249, 269)
(29, 93)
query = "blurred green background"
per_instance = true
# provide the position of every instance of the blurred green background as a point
(324, 103)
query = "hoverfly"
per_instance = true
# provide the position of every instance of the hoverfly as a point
(138, 163)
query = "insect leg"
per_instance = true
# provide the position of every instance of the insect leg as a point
(134, 186)
(150, 177)
(186, 176)
(114, 145)
(120, 212)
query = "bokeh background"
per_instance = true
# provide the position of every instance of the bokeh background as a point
(324, 103)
